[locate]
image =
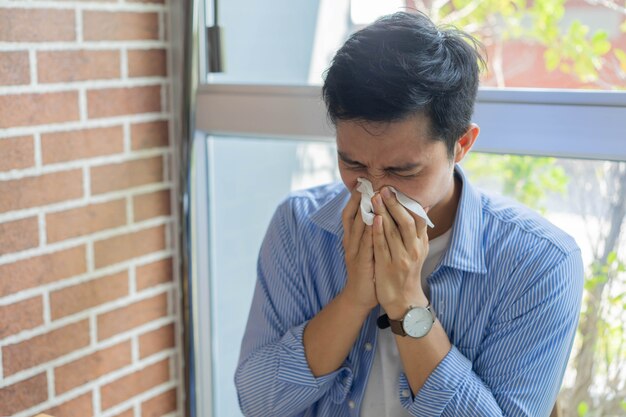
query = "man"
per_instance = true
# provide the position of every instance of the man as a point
(482, 308)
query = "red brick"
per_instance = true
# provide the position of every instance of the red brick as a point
(40, 270)
(23, 394)
(36, 25)
(120, 26)
(19, 235)
(156, 341)
(14, 68)
(85, 220)
(91, 367)
(40, 190)
(17, 152)
(110, 102)
(67, 66)
(81, 406)
(154, 273)
(130, 245)
(147, 63)
(133, 315)
(149, 135)
(114, 177)
(151, 205)
(21, 316)
(44, 348)
(81, 144)
(159, 405)
(38, 109)
(131, 385)
(71, 300)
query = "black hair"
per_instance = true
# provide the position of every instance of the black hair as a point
(403, 64)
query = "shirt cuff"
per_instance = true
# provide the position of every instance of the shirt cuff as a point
(293, 368)
(440, 387)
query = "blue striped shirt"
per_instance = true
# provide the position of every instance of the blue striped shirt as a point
(507, 292)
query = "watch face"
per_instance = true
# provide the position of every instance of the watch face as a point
(417, 322)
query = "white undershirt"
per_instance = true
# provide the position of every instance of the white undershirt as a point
(382, 396)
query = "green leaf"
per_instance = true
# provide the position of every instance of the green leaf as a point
(552, 59)
(583, 409)
(585, 70)
(611, 257)
(578, 30)
(616, 299)
(600, 43)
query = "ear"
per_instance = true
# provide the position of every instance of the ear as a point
(465, 142)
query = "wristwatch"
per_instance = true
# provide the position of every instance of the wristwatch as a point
(416, 323)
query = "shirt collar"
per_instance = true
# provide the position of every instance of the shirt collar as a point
(465, 252)
(328, 216)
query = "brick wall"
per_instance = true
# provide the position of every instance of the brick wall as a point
(89, 319)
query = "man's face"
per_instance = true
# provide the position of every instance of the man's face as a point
(399, 154)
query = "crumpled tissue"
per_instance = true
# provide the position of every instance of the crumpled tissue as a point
(367, 210)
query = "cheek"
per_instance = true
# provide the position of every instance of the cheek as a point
(425, 190)
(434, 190)
(348, 178)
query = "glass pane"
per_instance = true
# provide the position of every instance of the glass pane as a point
(244, 192)
(539, 44)
(587, 199)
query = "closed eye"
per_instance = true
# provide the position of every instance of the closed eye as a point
(355, 167)
(405, 175)
(352, 166)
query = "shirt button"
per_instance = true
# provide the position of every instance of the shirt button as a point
(405, 393)
(368, 346)
(351, 404)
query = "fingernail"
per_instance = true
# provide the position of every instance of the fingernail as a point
(386, 192)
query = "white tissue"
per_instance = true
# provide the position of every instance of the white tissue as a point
(367, 210)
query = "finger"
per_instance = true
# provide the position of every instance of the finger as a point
(421, 227)
(381, 249)
(403, 219)
(347, 216)
(392, 234)
(366, 249)
(356, 234)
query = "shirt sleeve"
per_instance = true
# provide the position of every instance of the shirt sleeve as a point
(273, 377)
(521, 362)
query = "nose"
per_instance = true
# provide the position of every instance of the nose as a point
(377, 181)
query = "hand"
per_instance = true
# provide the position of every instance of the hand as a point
(359, 255)
(400, 248)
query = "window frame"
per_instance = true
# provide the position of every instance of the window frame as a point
(557, 123)
(582, 124)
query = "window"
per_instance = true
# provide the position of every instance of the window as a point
(265, 133)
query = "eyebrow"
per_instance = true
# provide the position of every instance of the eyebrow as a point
(404, 167)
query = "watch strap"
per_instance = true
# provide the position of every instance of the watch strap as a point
(397, 327)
